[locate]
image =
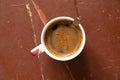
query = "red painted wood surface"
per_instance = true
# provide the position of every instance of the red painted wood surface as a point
(20, 30)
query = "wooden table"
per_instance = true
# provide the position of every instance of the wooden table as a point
(20, 30)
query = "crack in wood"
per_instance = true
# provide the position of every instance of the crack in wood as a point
(67, 67)
(77, 11)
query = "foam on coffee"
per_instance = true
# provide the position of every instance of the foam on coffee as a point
(62, 38)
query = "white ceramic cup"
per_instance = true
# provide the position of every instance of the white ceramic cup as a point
(42, 47)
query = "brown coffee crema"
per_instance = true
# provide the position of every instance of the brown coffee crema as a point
(62, 38)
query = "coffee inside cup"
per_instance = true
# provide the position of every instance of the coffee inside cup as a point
(62, 38)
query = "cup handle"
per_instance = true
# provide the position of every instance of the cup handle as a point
(37, 50)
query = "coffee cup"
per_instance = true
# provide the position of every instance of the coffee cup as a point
(61, 39)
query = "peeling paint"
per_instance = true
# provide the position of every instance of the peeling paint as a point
(30, 15)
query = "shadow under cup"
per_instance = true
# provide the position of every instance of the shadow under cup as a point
(62, 40)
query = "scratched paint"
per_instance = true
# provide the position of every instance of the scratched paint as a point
(30, 15)
(40, 13)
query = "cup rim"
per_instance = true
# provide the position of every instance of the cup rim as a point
(61, 58)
